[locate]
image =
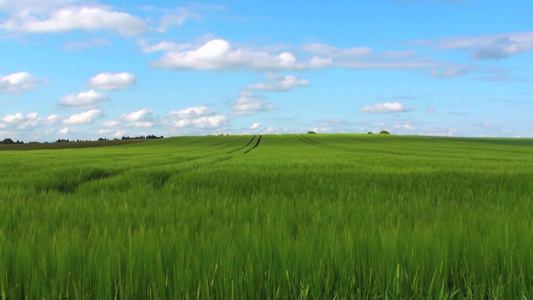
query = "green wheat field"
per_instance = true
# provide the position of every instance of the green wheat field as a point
(340, 216)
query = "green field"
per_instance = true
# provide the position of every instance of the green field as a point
(292, 216)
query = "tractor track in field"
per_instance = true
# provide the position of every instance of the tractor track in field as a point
(255, 146)
(155, 177)
(253, 138)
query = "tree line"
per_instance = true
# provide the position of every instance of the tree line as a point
(9, 141)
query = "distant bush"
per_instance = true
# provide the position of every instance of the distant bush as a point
(384, 132)
(142, 137)
(370, 132)
(311, 132)
(8, 141)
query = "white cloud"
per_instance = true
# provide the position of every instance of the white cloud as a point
(64, 131)
(111, 124)
(141, 119)
(495, 46)
(276, 130)
(162, 46)
(197, 117)
(105, 131)
(112, 81)
(51, 119)
(92, 43)
(119, 133)
(248, 105)
(137, 116)
(331, 125)
(388, 64)
(13, 119)
(75, 18)
(218, 54)
(191, 112)
(20, 121)
(451, 70)
(17, 83)
(221, 55)
(439, 130)
(279, 83)
(83, 99)
(405, 126)
(180, 15)
(141, 124)
(487, 124)
(330, 51)
(208, 122)
(256, 126)
(33, 5)
(383, 108)
(431, 110)
(87, 117)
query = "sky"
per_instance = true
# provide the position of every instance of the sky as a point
(84, 69)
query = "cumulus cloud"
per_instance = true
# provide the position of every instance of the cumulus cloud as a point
(207, 122)
(137, 116)
(142, 118)
(64, 131)
(83, 99)
(13, 119)
(51, 119)
(112, 81)
(113, 123)
(247, 105)
(191, 112)
(384, 108)
(255, 126)
(221, 55)
(278, 83)
(75, 18)
(218, 54)
(18, 83)
(197, 117)
(24, 121)
(87, 117)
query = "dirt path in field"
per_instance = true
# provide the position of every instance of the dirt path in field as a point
(255, 146)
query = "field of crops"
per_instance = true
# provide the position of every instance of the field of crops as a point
(270, 217)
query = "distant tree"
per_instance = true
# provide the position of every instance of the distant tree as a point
(384, 132)
(370, 132)
(311, 132)
(8, 141)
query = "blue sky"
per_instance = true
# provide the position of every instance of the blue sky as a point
(83, 69)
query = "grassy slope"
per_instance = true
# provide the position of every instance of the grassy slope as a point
(316, 216)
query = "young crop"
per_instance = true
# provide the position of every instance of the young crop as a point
(312, 216)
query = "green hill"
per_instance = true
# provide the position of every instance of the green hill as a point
(342, 216)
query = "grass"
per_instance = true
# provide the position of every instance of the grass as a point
(289, 216)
